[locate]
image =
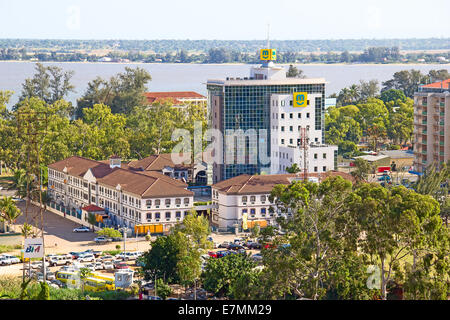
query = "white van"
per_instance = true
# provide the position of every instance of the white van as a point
(60, 260)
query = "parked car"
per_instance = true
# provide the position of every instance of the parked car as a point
(127, 256)
(38, 265)
(108, 265)
(212, 254)
(234, 246)
(4, 261)
(90, 266)
(106, 258)
(121, 265)
(224, 244)
(86, 257)
(75, 255)
(254, 245)
(102, 240)
(94, 252)
(60, 260)
(12, 258)
(99, 266)
(222, 253)
(81, 229)
(256, 257)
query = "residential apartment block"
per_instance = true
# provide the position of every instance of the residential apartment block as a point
(128, 196)
(432, 125)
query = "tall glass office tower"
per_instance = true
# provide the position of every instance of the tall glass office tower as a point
(244, 103)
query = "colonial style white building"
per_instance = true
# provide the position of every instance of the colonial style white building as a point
(129, 197)
(247, 197)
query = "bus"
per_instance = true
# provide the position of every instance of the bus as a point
(94, 285)
(68, 278)
(109, 279)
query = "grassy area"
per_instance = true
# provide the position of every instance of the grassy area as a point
(8, 248)
(10, 289)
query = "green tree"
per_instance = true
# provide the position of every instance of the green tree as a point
(220, 275)
(8, 210)
(293, 169)
(91, 219)
(109, 232)
(122, 92)
(49, 84)
(362, 170)
(294, 72)
(314, 235)
(407, 81)
(395, 223)
(44, 294)
(392, 95)
(163, 290)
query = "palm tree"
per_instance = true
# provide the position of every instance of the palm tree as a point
(9, 210)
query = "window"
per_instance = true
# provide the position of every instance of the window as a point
(149, 203)
(324, 169)
(282, 115)
(263, 198)
(186, 201)
(299, 115)
(252, 211)
(290, 102)
(315, 155)
(157, 202)
(307, 115)
(291, 115)
(252, 199)
(177, 201)
(157, 215)
(315, 169)
(244, 211)
(282, 103)
(263, 211)
(324, 155)
(291, 128)
(291, 141)
(167, 202)
(244, 199)
(282, 128)
(167, 215)
(282, 141)
(178, 214)
(186, 213)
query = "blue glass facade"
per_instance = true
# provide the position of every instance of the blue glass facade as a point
(248, 107)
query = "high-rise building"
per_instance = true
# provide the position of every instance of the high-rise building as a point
(432, 125)
(245, 104)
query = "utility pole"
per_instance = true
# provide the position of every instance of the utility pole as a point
(303, 145)
(32, 127)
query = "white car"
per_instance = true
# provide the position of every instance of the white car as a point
(127, 256)
(38, 265)
(4, 261)
(86, 258)
(12, 258)
(99, 266)
(90, 266)
(108, 265)
(81, 229)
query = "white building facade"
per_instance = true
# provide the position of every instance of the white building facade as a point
(286, 124)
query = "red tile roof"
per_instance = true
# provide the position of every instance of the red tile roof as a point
(92, 208)
(256, 184)
(172, 96)
(440, 84)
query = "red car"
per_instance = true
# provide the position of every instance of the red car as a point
(121, 265)
(212, 254)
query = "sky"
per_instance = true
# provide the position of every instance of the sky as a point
(224, 19)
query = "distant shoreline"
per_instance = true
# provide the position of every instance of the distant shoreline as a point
(236, 63)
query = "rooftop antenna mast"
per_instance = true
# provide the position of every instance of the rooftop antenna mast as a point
(268, 35)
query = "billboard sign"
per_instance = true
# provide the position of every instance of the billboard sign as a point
(300, 99)
(33, 248)
(268, 54)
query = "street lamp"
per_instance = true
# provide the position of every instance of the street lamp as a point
(124, 230)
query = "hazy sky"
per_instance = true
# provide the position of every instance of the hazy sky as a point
(225, 19)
